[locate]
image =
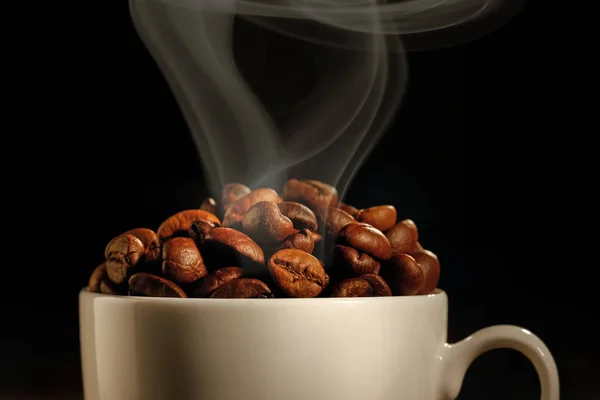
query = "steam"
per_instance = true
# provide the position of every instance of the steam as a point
(362, 78)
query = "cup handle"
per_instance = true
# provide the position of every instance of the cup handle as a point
(456, 358)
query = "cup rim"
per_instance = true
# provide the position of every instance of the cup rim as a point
(437, 294)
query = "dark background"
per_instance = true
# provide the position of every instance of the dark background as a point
(484, 157)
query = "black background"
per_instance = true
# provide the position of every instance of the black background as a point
(474, 158)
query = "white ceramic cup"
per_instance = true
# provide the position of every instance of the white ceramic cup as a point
(382, 348)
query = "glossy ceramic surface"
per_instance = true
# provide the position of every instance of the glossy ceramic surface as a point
(386, 348)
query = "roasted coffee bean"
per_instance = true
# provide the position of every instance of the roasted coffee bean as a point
(335, 219)
(178, 225)
(403, 237)
(379, 217)
(265, 223)
(99, 282)
(414, 274)
(301, 240)
(300, 215)
(298, 273)
(244, 288)
(236, 210)
(430, 264)
(242, 205)
(97, 276)
(123, 255)
(199, 229)
(214, 280)
(365, 238)
(349, 209)
(182, 261)
(314, 194)
(227, 246)
(232, 192)
(209, 205)
(353, 263)
(406, 276)
(367, 285)
(149, 239)
(144, 284)
(285, 245)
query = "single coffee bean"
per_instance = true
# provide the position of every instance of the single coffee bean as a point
(300, 215)
(349, 209)
(430, 264)
(403, 237)
(366, 239)
(97, 276)
(298, 273)
(149, 239)
(99, 282)
(301, 240)
(227, 246)
(335, 219)
(353, 263)
(314, 194)
(406, 276)
(199, 229)
(144, 284)
(123, 255)
(244, 288)
(242, 205)
(182, 261)
(379, 217)
(367, 285)
(265, 223)
(233, 192)
(178, 225)
(209, 205)
(214, 280)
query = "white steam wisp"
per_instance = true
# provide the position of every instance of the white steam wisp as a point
(361, 70)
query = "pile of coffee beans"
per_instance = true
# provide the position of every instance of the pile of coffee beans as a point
(257, 244)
